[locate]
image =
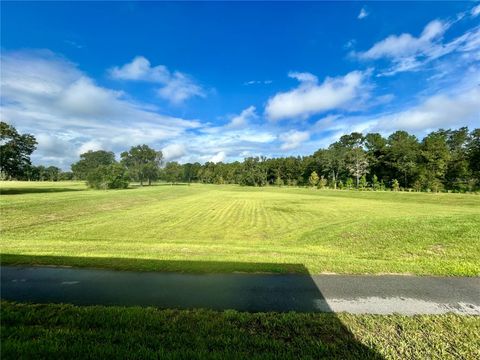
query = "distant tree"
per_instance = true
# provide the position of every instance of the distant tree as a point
(253, 172)
(90, 160)
(313, 179)
(31, 173)
(15, 151)
(376, 146)
(395, 185)
(458, 172)
(65, 175)
(142, 162)
(113, 176)
(363, 183)
(42, 173)
(340, 184)
(435, 156)
(349, 183)
(357, 163)
(322, 183)
(375, 183)
(172, 172)
(473, 155)
(53, 173)
(191, 172)
(402, 155)
(334, 161)
(278, 181)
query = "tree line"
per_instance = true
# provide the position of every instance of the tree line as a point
(442, 160)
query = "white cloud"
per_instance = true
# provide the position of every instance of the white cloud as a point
(43, 93)
(475, 11)
(219, 157)
(363, 13)
(293, 139)
(176, 86)
(242, 119)
(409, 53)
(310, 97)
(92, 145)
(174, 151)
(406, 45)
(441, 110)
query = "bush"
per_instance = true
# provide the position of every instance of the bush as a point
(322, 183)
(395, 185)
(112, 176)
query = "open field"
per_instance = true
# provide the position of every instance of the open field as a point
(212, 228)
(66, 331)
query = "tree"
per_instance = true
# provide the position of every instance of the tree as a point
(313, 179)
(363, 183)
(142, 162)
(473, 155)
(376, 146)
(113, 176)
(458, 172)
(52, 173)
(253, 172)
(349, 183)
(395, 185)
(15, 151)
(435, 156)
(334, 161)
(172, 172)
(91, 160)
(402, 154)
(357, 163)
(375, 183)
(322, 183)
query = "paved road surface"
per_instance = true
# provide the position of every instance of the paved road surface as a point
(246, 292)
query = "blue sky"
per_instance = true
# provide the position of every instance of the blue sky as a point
(222, 81)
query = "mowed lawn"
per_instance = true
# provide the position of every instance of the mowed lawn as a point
(222, 228)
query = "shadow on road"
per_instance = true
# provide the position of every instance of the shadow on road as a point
(242, 292)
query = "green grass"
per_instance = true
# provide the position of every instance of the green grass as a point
(227, 228)
(96, 332)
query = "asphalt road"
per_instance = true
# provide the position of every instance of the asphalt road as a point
(359, 294)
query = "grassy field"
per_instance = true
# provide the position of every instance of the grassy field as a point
(215, 228)
(70, 332)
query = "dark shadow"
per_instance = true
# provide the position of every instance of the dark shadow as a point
(252, 292)
(35, 190)
(182, 266)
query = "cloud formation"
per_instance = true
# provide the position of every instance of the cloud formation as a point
(174, 151)
(362, 14)
(47, 93)
(406, 45)
(177, 87)
(310, 97)
(407, 52)
(293, 139)
(242, 119)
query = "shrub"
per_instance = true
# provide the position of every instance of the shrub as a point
(112, 176)
(395, 185)
(313, 179)
(322, 183)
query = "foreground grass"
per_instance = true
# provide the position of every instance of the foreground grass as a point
(96, 332)
(214, 228)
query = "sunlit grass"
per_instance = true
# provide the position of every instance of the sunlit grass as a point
(324, 230)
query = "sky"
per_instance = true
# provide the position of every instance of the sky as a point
(223, 81)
